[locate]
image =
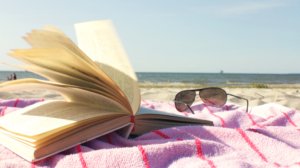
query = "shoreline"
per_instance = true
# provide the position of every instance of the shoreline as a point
(183, 85)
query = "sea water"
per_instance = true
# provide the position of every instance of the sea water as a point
(148, 79)
(217, 79)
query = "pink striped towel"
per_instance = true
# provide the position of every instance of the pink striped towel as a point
(267, 136)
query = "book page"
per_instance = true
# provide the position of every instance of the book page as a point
(78, 82)
(80, 100)
(87, 97)
(100, 42)
(35, 153)
(117, 124)
(53, 54)
(149, 114)
(148, 119)
(51, 116)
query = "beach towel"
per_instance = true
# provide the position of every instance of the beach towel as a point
(267, 136)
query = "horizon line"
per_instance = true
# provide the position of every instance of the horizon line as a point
(274, 73)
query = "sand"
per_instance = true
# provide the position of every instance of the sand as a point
(288, 96)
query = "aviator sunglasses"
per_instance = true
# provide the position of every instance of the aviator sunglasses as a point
(211, 96)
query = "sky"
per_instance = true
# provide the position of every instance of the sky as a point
(235, 36)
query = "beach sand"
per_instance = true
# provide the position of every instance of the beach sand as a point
(288, 95)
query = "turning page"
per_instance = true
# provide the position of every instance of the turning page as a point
(100, 42)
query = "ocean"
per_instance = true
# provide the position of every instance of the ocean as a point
(149, 79)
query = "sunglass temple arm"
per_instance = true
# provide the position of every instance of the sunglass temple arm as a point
(190, 108)
(240, 98)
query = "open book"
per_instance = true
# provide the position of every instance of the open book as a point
(99, 87)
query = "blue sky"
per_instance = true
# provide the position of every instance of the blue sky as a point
(239, 36)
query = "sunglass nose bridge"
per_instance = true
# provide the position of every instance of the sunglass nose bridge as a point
(198, 98)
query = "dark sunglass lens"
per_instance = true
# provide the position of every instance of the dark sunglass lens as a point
(180, 106)
(213, 96)
(184, 99)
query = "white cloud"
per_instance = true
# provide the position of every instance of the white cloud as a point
(249, 7)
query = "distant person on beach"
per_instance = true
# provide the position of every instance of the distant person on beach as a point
(10, 77)
(14, 76)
